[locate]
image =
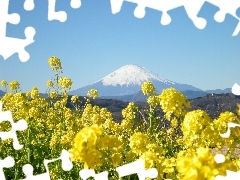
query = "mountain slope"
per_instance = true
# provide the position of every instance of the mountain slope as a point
(2, 93)
(127, 80)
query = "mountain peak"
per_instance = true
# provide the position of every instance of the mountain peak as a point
(131, 74)
(130, 77)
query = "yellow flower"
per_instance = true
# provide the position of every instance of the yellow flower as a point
(138, 143)
(200, 165)
(194, 121)
(74, 99)
(52, 94)
(65, 82)
(88, 135)
(173, 102)
(222, 121)
(3, 83)
(130, 111)
(34, 92)
(149, 158)
(148, 88)
(49, 83)
(153, 101)
(174, 122)
(14, 85)
(116, 159)
(92, 93)
(54, 63)
(84, 147)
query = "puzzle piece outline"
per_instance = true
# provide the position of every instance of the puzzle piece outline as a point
(20, 125)
(66, 163)
(192, 9)
(7, 162)
(11, 45)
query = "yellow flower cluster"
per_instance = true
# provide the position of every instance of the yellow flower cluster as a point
(223, 120)
(153, 101)
(138, 143)
(84, 148)
(54, 63)
(3, 83)
(173, 102)
(49, 83)
(194, 124)
(52, 94)
(130, 111)
(74, 99)
(65, 83)
(199, 165)
(34, 92)
(179, 147)
(148, 88)
(14, 85)
(92, 93)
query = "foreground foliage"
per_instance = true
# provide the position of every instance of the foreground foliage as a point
(177, 144)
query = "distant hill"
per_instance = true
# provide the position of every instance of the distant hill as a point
(213, 104)
(1, 93)
(220, 91)
(140, 97)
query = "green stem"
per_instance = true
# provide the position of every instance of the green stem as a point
(15, 174)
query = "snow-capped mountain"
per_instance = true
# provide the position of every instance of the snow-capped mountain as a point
(131, 75)
(127, 80)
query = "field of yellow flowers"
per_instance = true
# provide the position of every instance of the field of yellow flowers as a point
(181, 151)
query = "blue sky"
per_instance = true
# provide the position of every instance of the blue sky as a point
(93, 42)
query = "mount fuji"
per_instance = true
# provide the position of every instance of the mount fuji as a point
(127, 80)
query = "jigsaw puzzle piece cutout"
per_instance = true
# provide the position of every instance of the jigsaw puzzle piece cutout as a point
(65, 162)
(230, 175)
(238, 12)
(65, 159)
(13, 45)
(8, 162)
(29, 5)
(28, 171)
(55, 15)
(20, 125)
(228, 132)
(237, 30)
(227, 7)
(192, 9)
(139, 12)
(165, 7)
(116, 6)
(137, 167)
(10, 45)
(75, 4)
(159, 5)
(87, 173)
(13, 18)
(220, 158)
(236, 89)
(60, 15)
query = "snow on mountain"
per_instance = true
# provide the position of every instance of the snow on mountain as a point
(127, 80)
(131, 75)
